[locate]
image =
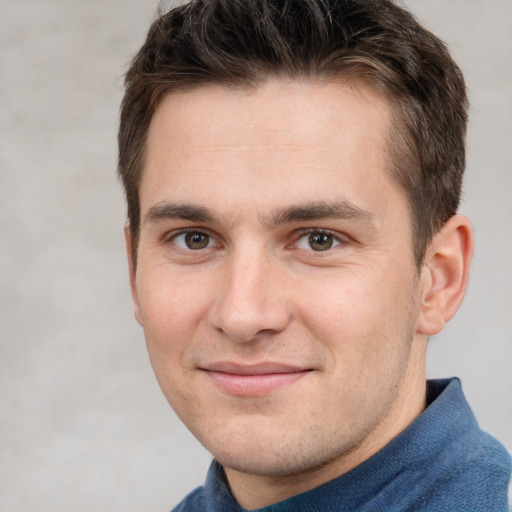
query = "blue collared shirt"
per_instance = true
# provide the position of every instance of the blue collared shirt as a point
(442, 462)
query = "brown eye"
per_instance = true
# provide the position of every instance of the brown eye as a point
(197, 240)
(192, 240)
(320, 241)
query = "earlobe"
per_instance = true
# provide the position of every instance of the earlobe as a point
(445, 274)
(132, 272)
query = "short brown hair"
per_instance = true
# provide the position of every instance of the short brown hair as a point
(241, 43)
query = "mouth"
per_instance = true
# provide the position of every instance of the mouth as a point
(253, 380)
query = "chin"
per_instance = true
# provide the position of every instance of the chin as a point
(266, 464)
(274, 455)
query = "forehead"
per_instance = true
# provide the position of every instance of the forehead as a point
(277, 106)
(283, 140)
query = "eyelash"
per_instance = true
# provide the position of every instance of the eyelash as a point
(339, 240)
(186, 231)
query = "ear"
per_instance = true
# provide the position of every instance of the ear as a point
(445, 274)
(132, 268)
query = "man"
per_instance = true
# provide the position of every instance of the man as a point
(293, 172)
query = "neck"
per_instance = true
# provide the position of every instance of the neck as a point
(257, 491)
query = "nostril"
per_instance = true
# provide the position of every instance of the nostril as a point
(244, 325)
(249, 302)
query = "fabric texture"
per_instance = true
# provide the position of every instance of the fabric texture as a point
(442, 462)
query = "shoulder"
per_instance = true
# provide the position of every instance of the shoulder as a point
(489, 466)
(193, 502)
(491, 455)
(479, 483)
(467, 469)
(487, 461)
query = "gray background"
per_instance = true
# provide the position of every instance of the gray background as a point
(83, 425)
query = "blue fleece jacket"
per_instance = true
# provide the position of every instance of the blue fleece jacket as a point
(442, 462)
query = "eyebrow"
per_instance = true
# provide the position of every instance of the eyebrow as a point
(167, 211)
(316, 210)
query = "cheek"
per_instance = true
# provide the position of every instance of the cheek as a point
(172, 310)
(339, 304)
(171, 315)
(357, 317)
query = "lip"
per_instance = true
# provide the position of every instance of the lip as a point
(253, 379)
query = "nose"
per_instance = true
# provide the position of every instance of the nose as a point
(251, 302)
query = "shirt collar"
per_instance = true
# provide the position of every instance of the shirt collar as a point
(446, 418)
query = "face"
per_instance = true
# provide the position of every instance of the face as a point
(275, 278)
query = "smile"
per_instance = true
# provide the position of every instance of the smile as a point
(253, 380)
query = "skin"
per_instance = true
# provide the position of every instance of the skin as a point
(263, 179)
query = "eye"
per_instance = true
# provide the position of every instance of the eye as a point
(318, 241)
(193, 240)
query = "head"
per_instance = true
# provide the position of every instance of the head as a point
(240, 44)
(293, 172)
